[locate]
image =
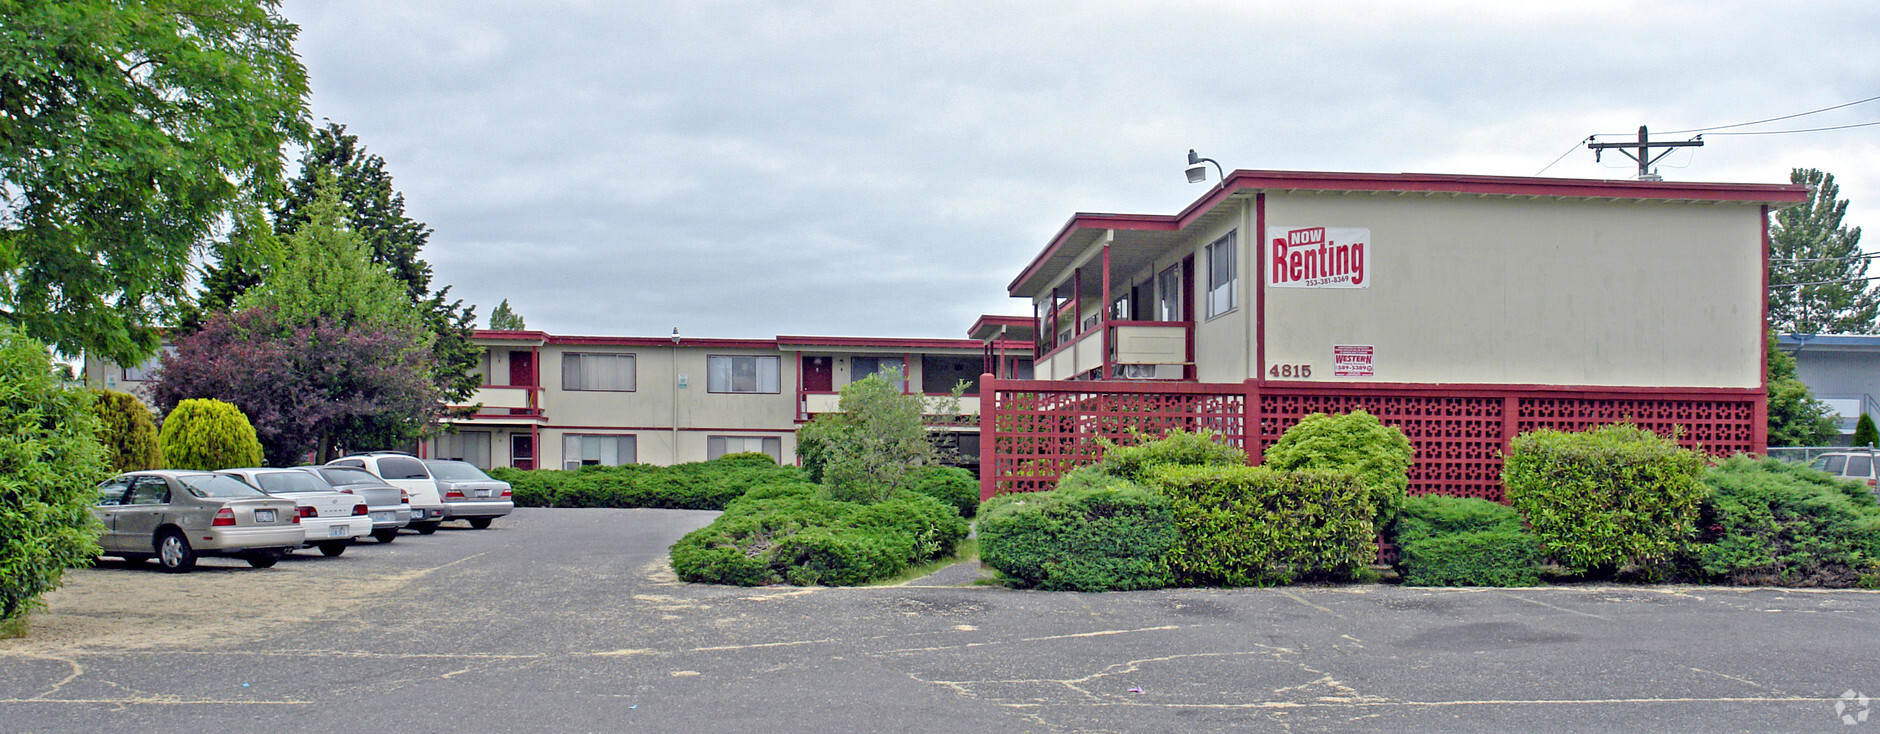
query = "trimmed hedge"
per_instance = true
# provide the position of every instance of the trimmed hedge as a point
(1095, 532)
(791, 533)
(1253, 526)
(127, 430)
(1457, 541)
(208, 435)
(949, 484)
(1767, 522)
(1178, 448)
(706, 485)
(1355, 442)
(1605, 497)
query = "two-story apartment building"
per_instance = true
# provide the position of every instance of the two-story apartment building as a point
(1463, 309)
(555, 401)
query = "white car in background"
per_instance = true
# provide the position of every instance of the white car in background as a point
(408, 473)
(389, 506)
(332, 519)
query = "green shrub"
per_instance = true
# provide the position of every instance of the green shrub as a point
(207, 434)
(1501, 557)
(1179, 448)
(1865, 434)
(127, 431)
(865, 453)
(1606, 496)
(50, 462)
(949, 484)
(1433, 515)
(1094, 533)
(1767, 522)
(707, 485)
(795, 534)
(1355, 442)
(1253, 526)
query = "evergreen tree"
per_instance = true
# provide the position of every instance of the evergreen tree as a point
(1817, 274)
(503, 319)
(126, 430)
(1865, 434)
(323, 270)
(208, 435)
(1796, 418)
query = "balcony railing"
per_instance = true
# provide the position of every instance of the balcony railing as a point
(811, 404)
(509, 402)
(1166, 345)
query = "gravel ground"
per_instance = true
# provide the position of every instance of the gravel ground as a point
(570, 620)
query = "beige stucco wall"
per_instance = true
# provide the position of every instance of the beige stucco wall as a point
(1501, 291)
(648, 411)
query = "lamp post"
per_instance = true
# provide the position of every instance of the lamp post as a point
(676, 380)
(1198, 173)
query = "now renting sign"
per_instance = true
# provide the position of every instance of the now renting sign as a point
(1318, 257)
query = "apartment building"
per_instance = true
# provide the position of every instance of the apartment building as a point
(1463, 309)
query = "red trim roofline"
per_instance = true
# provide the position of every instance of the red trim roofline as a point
(889, 342)
(1418, 183)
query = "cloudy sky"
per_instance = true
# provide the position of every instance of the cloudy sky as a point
(748, 169)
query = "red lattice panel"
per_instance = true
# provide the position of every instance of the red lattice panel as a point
(1719, 427)
(1040, 435)
(1457, 440)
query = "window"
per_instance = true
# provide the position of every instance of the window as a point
(402, 467)
(743, 374)
(939, 374)
(1168, 294)
(716, 446)
(1859, 467)
(861, 367)
(1222, 276)
(579, 451)
(146, 370)
(483, 367)
(467, 446)
(610, 372)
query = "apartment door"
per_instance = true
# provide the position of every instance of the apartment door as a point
(818, 374)
(522, 451)
(522, 369)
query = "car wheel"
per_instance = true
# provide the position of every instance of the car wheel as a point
(425, 528)
(480, 522)
(263, 559)
(385, 535)
(332, 549)
(174, 553)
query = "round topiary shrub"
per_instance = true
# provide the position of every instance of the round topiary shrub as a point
(126, 430)
(949, 484)
(50, 463)
(1355, 442)
(208, 434)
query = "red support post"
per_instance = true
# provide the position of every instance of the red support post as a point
(1104, 316)
(988, 442)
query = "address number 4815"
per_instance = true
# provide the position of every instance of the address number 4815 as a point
(1290, 370)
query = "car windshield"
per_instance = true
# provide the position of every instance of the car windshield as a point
(280, 482)
(461, 471)
(217, 486)
(344, 476)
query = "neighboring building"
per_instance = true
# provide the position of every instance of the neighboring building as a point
(1463, 309)
(554, 401)
(1841, 370)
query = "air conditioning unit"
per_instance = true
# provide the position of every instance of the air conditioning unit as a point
(1148, 372)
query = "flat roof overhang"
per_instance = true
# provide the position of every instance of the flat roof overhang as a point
(1139, 238)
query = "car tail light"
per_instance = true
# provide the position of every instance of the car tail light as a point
(505, 492)
(224, 516)
(404, 498)
(453, 494)
(359, 509)
(306, 511)
(345, 490)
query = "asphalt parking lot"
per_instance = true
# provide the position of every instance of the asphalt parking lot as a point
(569, 620)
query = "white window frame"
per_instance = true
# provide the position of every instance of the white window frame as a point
(1168, 294)
(1223, 259)
(574, 369)
(766, 374)
(716, 446)
(626, 443)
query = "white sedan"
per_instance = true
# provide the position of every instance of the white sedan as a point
(333, 519)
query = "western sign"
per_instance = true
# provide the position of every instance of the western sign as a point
(1318, 257)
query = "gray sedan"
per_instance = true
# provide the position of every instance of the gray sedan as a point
(175, 516)
(389, 506)
(469, 494)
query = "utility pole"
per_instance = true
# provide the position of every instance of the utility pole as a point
(1643, 156)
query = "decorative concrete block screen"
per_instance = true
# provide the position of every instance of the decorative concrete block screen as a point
(1035, 431)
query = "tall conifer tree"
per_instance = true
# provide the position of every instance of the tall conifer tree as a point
(1817, 273)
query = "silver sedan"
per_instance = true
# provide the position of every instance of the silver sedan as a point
(175, 516)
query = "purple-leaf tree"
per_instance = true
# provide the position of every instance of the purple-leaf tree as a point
(308, 388)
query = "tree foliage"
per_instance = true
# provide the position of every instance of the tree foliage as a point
(1809, 245)
(1607, 496)
(866, 452)
(324, 271)
(1355, 442)
(1865, 433)
(315, 386)
(127, 431)
(503, 319)
(127, 131)
(1796, 418)
(207, 435)
(49, 462)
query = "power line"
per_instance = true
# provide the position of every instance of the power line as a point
(1844, 281)
(1563, 156)
(1863, 256)
(1807, 130)
(1772, 119)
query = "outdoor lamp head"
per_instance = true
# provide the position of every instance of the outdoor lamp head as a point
(1196, 172)
(675, 335)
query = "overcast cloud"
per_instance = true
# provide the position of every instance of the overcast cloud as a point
(884, 169)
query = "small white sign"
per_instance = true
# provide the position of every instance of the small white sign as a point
(1318, 257)
(1353, 360)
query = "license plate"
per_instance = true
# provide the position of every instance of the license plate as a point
(336, 531)
(483, 493)
(264, 516)
(382, 517)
